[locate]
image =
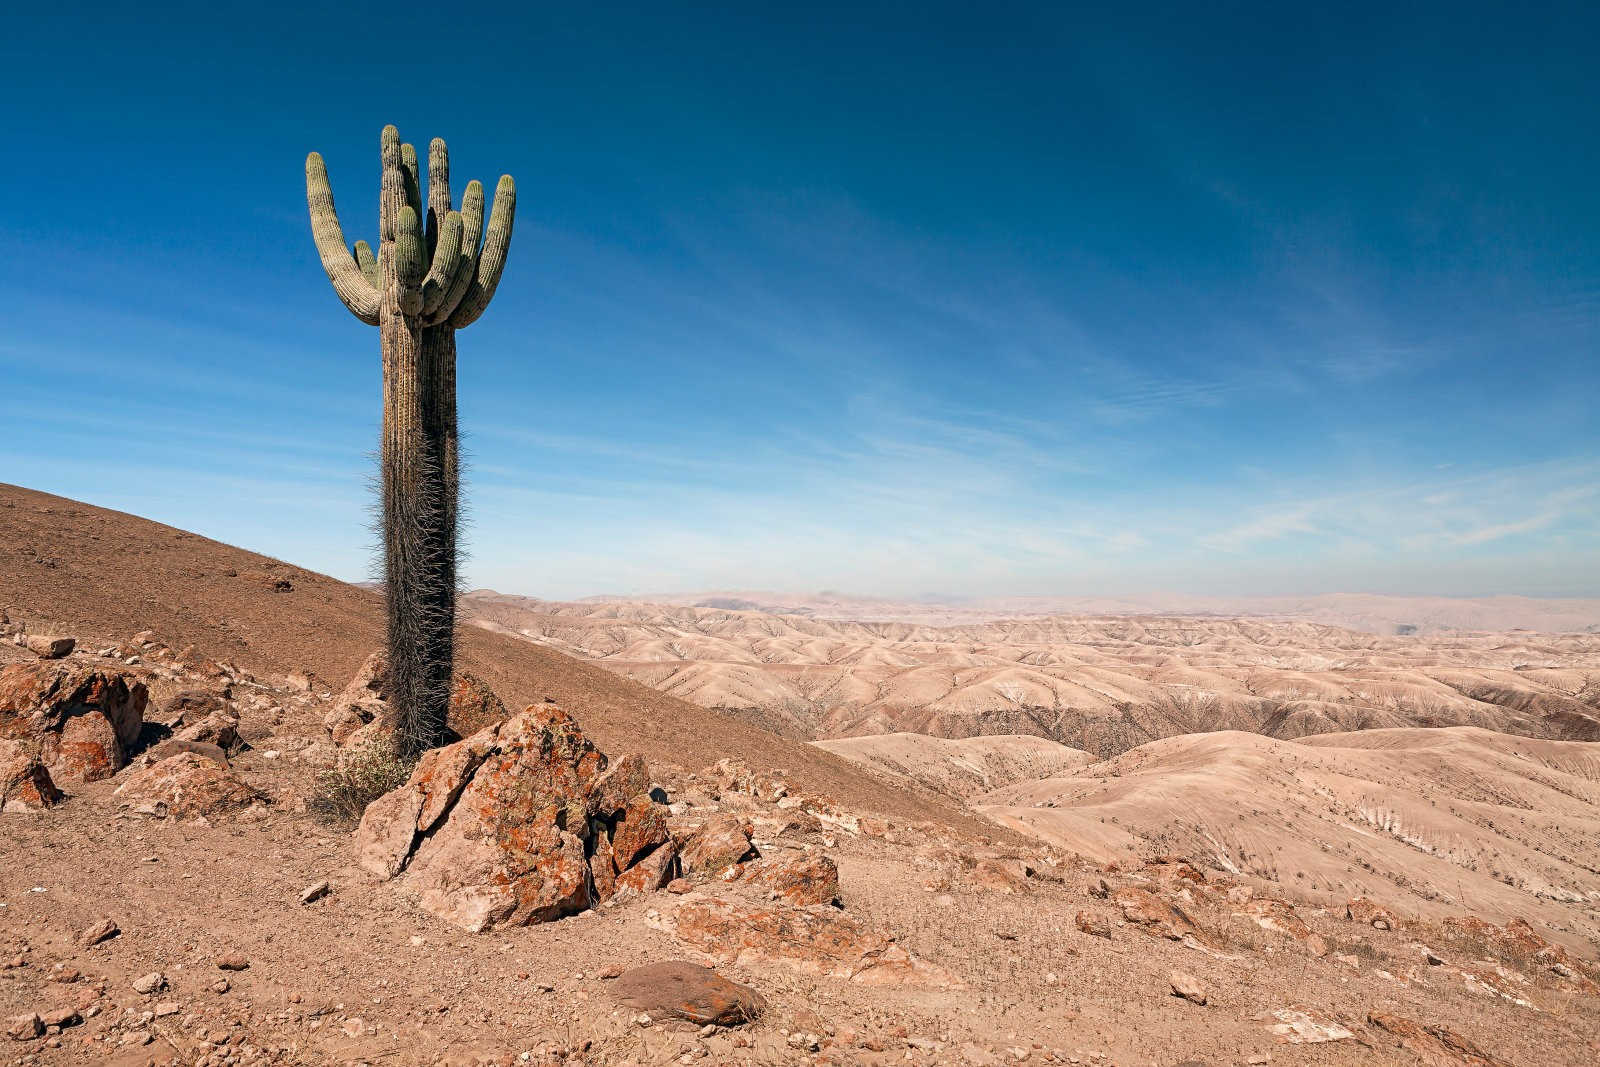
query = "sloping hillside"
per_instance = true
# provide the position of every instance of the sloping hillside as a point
(104, 575)
(961, 768)
(1432, 822)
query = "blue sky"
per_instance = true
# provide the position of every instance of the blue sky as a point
(892, 299)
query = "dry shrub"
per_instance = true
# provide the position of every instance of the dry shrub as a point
(362, 775)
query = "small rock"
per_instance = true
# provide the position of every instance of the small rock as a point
(24, 1027)
(50, 647)
(165, 1008)
(146, 984)
(1094, 924)
(60, 1018)
(314, 892)
(233, 961)
(1187, 986)
(688, 991)
(221, 985)
(104, 930)
(355, 1026)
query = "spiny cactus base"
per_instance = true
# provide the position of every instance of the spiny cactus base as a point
(434, 273)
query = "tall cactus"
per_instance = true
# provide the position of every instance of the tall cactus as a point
(434, 273)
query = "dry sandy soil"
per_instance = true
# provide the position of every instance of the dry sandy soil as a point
(1101, 684)
(1028, 952)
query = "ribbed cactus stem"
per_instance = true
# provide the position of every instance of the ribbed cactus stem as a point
(446, 258)
(368, 263)
(434, 271)
(492, 259)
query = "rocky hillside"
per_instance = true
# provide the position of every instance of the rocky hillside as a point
(103, 575)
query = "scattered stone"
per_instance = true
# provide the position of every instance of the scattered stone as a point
(60, 1018)
(1152, 914)
(687, 991)
(719, 843)
(1362, 910)
(24, 1027)
(807, 879)
(1298, 1028)
(50, 647)
(813, 940)
(1187, 986)
(1094, 923)
(165, 1008)
(1434, 1044)
(146, 984)
(186, 785)
(25, 784)
(314, 892)
(104, 930)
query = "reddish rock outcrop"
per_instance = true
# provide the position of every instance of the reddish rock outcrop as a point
(182, 787)
(504, 828)
(473, 705)
(25, 785)
(813, 940)
(81, 720)
(803, 879)
(1434, 1045)
(717, 844)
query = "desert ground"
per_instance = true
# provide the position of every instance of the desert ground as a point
(1095, 839)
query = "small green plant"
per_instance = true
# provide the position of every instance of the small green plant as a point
(362, 775)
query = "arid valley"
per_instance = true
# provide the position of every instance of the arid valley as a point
(1034, 838)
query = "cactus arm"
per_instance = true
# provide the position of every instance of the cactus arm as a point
(367, 263)
(438, 190)
(466, 264)
(446, 258)
(492, 259)
(408, 259)
(391, 190)
(349, 282)
(408, 162)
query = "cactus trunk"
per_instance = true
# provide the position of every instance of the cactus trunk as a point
(421, 287)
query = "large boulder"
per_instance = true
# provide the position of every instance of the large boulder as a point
(25, 785)
(184, 786)
(81, 721)
(506, 827)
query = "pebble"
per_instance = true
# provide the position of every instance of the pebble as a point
(314, 892)
(233, 961)
(1187, 986)
(104, 930)
(154, 982)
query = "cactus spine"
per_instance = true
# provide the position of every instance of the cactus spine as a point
(434, 272)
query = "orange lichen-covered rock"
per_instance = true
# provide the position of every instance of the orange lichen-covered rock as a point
(813, 940)
(25, 785)
(506, 827)
(718, 843)
(184, 786)
(473, 705)
(82, 720)
(641, 827)
(803, 879)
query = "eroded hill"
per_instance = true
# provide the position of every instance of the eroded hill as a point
(1102, 684)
